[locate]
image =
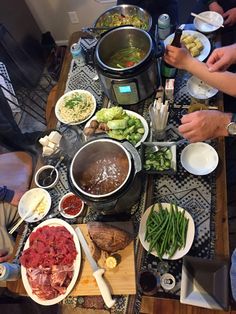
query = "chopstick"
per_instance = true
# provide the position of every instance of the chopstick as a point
(206, 20)
(19, 222)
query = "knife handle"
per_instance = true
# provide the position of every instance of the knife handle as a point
(106, 294)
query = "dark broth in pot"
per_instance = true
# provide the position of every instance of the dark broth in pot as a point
(104, 174)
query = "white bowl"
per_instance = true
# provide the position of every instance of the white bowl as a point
(199, 158)
(211, 16)
(61, 209)
(75, 119)
(34, 198)
(40, 170)
(199, 89)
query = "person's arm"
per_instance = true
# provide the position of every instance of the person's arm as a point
(9, 196)
(181, 59)
(230, 17)
(6, 194)
(205, 124)
(214, 6)
(221, 58)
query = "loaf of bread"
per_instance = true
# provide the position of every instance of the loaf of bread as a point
(107, 237)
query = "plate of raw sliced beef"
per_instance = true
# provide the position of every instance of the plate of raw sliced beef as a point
(50, 261)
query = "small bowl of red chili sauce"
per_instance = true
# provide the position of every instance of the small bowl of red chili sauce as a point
(71, 205)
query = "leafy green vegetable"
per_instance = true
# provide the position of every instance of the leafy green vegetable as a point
(117, 124)
(108, 114)
(121, 125)
(72, 102)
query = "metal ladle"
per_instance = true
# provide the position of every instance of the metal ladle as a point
(48, 180)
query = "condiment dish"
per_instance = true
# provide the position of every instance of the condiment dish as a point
(42, 175)
(72, 204)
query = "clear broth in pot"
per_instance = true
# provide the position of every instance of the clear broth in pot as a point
(126, 58)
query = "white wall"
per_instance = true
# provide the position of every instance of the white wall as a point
(51, 15)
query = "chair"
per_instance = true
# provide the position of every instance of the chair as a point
(16, 170)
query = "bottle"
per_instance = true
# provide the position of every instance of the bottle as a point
(168, 71)
(163, 26)
(77, 54)
(9, 271)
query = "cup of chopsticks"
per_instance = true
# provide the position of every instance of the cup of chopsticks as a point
(159, 113)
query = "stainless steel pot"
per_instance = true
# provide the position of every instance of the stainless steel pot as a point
(127, 86)
(121, 198)
(124, 10)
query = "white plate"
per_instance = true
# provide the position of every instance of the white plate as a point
(61, 101)
(30, 199)
(212, 16)
(190, 232)
(136, 115)
(204, 40)
(199, 158)
(77, 262)
(199, 89)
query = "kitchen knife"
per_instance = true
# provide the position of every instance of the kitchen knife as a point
(97, 272)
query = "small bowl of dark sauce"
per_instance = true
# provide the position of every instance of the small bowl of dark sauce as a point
(70, 205)
(46, 177)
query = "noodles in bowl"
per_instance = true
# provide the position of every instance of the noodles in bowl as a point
(75, 107)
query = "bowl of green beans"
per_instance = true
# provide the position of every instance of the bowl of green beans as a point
(166, 231)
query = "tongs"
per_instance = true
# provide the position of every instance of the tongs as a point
(97, 31)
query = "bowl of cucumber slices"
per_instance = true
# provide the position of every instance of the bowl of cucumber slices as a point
(158, 157)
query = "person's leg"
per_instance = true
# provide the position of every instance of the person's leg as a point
(8, 217)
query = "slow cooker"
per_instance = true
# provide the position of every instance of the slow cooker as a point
(104, 173)
(127, 85)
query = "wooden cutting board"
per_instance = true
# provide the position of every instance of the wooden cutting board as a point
(121, 279)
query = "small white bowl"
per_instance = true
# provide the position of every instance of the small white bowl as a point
(73, 121)
(32, 199)
(199, 89)
(212, 16)
(39, 173)
(61, 209)
(199, 158)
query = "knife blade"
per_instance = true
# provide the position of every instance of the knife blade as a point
(97, 272)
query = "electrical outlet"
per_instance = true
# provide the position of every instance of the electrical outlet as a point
(73, 17)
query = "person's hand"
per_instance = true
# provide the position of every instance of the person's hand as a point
(16, 198)
(4, 256)
(177, 57)
(214, 6)
(203, 125)
(221, 58)
(230, 17)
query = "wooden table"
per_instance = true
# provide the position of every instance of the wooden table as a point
(149, 304)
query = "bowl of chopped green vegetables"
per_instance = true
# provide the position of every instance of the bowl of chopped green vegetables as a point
(158, 157)
(119, 124)
(166, 231)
